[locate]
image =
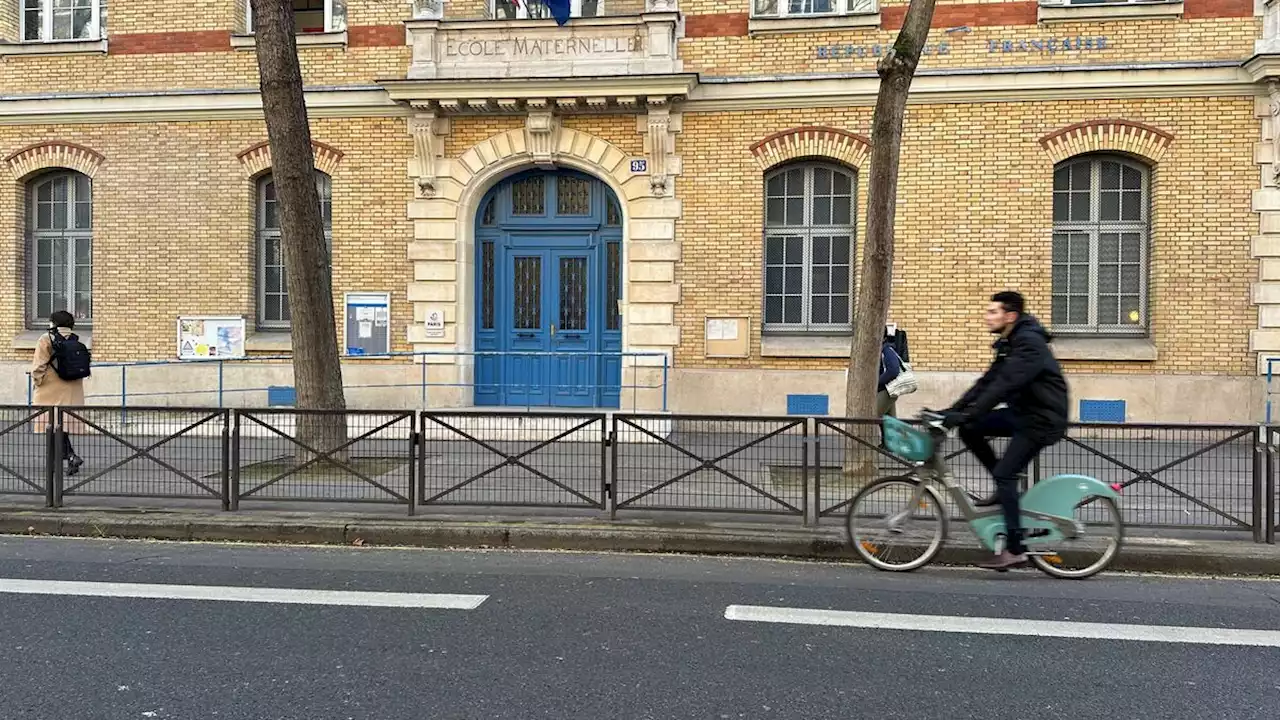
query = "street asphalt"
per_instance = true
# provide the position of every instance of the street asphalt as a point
(596, 636)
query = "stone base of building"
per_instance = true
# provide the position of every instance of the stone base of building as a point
(382, 385)
(1147, 398)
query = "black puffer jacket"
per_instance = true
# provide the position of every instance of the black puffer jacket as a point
(1027, 376)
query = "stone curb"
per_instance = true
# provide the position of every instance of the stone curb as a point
(1213, 557)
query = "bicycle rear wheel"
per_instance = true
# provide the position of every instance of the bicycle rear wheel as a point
(889, 531)
(1094, 550)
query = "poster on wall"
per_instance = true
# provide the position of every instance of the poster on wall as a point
(210, 338)
(368, 324)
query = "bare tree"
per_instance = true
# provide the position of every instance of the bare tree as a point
(316, 366)
(896, 70)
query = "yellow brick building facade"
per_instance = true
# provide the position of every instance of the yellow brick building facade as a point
(650, 201)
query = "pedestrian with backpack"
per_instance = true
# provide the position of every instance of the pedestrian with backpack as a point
(58, 371)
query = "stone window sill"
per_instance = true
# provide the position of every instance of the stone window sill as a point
(269, 341)
(1105, 349)
(304, 40)
(775, 26)
(27, 340)
(1158, 10)
(808, 346)
(70, 47)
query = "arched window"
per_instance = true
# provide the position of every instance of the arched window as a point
(273, 291)
(1101, 230)
(808, 248)
(60, 246)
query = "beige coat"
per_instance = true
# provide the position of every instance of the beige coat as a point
(49, 388)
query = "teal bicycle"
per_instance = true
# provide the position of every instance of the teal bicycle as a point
(1071, 523)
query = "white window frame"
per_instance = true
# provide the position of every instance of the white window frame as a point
(46, 22)
(807, 230)
(264, 233)
(783, 9)
(522, 10)
(71, 237)
(1097, 3)
(1094, 228)
(330, 25)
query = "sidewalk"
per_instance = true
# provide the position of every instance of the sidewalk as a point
(1210, 553)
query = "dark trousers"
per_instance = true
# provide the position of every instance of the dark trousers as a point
(68, 453)
(1024, 445)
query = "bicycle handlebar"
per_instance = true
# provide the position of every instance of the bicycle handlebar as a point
(932, 418)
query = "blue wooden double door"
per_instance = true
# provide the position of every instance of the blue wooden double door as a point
(548, 282)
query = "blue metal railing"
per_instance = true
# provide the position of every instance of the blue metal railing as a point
(1270, 374)
(222, 390)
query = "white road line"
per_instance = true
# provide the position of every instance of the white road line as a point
(1005, 626)
(285, 596)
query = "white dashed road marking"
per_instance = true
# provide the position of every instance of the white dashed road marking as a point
(1005, 626)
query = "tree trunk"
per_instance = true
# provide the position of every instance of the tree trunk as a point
(316, 367)
(896, 70)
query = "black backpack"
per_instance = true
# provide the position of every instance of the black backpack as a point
(71, 359)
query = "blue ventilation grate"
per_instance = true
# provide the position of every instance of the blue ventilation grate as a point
(1102, 411)
(807, 404)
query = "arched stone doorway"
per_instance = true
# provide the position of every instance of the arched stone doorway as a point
(548, 259)
(445, 254)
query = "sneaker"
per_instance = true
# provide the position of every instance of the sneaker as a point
(1004, 561)
(73, 465)
(989, 501)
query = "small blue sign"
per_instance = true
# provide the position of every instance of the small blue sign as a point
(1102, 411)
(807, 404)
(639, 166)
(281, 396)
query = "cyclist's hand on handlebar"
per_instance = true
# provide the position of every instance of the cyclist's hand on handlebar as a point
(953, 419)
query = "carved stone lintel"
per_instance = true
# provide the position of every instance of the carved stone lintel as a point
(542, 133)
(426, 129)
(660, 6)
(660, 144)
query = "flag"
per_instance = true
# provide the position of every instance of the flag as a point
(559, 10)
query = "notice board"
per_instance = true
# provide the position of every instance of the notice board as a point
(368, 323)
(207, 338)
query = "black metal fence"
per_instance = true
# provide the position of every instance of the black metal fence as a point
(1173, 476)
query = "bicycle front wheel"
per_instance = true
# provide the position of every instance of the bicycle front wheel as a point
(1094, 550)
(895, 524)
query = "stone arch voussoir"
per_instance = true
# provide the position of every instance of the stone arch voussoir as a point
(814, 141)
(54, 154)
(1108, 135)
(256, 159)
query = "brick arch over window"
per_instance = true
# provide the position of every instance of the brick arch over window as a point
(812, 142)
(256, 159)
(54, 154)
(1117, 136)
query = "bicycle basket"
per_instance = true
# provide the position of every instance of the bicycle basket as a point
(906, 441)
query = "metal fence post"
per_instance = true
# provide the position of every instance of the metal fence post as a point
(612, 497)
(226, 459)
(605, 448)
(1259, 485)
(235, 461)
(817, 471)
(59, 446)
(50, 438)
(124, 395)
(1271, 486)
(804, 474)
(416, 461)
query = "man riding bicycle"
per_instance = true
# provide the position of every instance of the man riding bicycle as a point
(1027, 377)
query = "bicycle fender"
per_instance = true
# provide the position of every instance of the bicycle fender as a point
(1060, 494)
